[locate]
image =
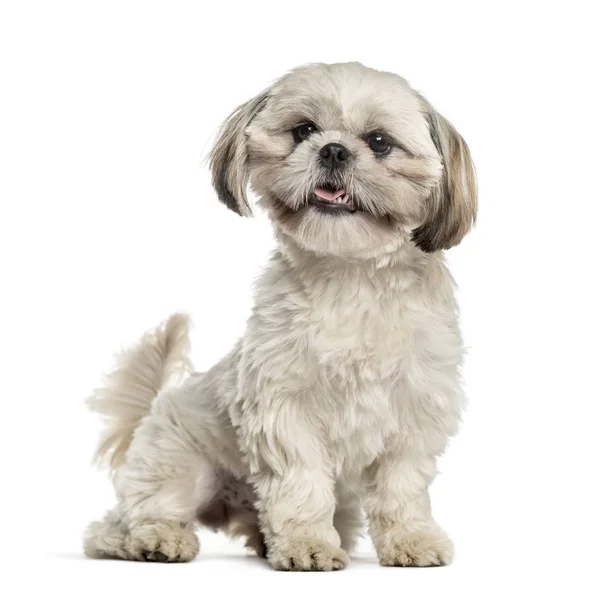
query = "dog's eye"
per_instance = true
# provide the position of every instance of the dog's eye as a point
(379, 143)
(302, 132)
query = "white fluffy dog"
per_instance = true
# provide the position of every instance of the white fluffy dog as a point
(345, 386)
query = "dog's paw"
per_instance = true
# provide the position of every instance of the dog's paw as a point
(162, 542)
(429, 548)
(306, 555)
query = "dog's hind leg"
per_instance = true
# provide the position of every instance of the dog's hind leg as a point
(163, 482)
(161, 541)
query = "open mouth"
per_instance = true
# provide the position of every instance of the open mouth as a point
(332, 200)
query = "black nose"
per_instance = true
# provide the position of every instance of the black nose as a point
(334, 155)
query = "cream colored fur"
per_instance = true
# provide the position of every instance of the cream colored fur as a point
(345, 386)
(160, 359)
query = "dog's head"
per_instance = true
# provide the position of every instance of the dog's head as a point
(347, 160)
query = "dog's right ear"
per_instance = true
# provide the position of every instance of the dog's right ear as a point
(229, 157)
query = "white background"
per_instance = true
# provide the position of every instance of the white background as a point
(108, 224)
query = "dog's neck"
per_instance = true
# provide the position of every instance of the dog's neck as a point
(401, 263)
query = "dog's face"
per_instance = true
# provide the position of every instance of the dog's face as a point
(347, 161)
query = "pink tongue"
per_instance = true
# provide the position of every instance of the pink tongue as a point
(328, 195)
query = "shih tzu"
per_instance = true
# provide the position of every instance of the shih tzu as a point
(345, 386)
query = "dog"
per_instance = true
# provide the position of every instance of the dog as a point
(345, 387)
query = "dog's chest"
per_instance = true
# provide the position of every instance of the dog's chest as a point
(358, 428)
(359, 333)
(359, 341)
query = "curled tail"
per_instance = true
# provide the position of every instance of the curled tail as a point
(160, 358)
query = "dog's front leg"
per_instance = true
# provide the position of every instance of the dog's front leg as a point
(296, 509)
(399, 514)
(294, 484)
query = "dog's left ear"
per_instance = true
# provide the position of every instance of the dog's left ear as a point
(229, 157)
(453, 207)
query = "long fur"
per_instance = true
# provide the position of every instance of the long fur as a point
(159, 359)
(345, 387)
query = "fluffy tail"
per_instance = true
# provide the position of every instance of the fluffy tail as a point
(160, 358)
